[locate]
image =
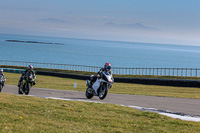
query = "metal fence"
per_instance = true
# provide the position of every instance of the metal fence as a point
(186, 72)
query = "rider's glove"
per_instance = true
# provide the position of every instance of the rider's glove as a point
(98, 75)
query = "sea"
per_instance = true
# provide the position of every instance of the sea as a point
(90, 52)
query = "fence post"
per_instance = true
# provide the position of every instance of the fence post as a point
(139, 71)
(177, 71)
(142, 71)
(161, 72)
(136, 72)
(196, 72)
(150, 71)
(182, 72)
(186, 72)
(157, 71)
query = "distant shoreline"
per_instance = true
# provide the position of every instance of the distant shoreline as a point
(34, 42)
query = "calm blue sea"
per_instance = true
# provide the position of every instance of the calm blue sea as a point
(97, 52)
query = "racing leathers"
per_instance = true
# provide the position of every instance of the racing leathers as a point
(93, 78)
(3, 78)
(23, 76)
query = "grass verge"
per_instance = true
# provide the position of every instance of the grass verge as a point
(31, 114)
(120, 88)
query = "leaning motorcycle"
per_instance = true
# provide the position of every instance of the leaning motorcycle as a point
(1, 82)
(26, 84)
(102, 84)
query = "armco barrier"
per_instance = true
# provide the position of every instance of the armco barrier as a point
(63, 75)
(11, 70)
(147, 81)
(163, 82)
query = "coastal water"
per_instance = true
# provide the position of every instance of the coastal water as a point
(97, 52)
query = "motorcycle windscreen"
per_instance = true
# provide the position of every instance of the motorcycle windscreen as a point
(107, 77)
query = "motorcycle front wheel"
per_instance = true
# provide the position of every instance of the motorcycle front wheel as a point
(27, 88)
(89, 93)
(103, 91)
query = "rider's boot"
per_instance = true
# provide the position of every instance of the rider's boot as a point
(34, 83)
(19, 84)
(90, 84)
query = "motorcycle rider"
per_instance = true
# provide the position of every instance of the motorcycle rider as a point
(30, 70)
(4, 78)
(106, 68)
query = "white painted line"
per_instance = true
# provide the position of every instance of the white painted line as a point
(186, 118)
(169, 114)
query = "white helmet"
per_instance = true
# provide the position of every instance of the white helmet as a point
(30, 67)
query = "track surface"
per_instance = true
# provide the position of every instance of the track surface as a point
(180, 105)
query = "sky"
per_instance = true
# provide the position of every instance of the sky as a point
(152, 21)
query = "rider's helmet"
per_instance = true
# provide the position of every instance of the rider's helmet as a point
(1, 71)
(107, 66)
(30, 67)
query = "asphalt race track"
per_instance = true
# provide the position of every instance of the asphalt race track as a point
(181, 106)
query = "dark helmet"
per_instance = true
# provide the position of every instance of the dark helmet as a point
(30, 67)
(107, 66)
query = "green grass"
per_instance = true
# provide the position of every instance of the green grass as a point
(24, 114)
(120, 88)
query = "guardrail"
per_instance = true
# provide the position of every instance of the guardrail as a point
(13, 70)
(186, 72)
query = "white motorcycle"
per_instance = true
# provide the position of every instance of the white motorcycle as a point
(101, 85)
(2, 80)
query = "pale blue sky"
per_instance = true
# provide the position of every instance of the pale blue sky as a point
(175, 21)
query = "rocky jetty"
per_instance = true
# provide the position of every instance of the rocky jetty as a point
(33, 42)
